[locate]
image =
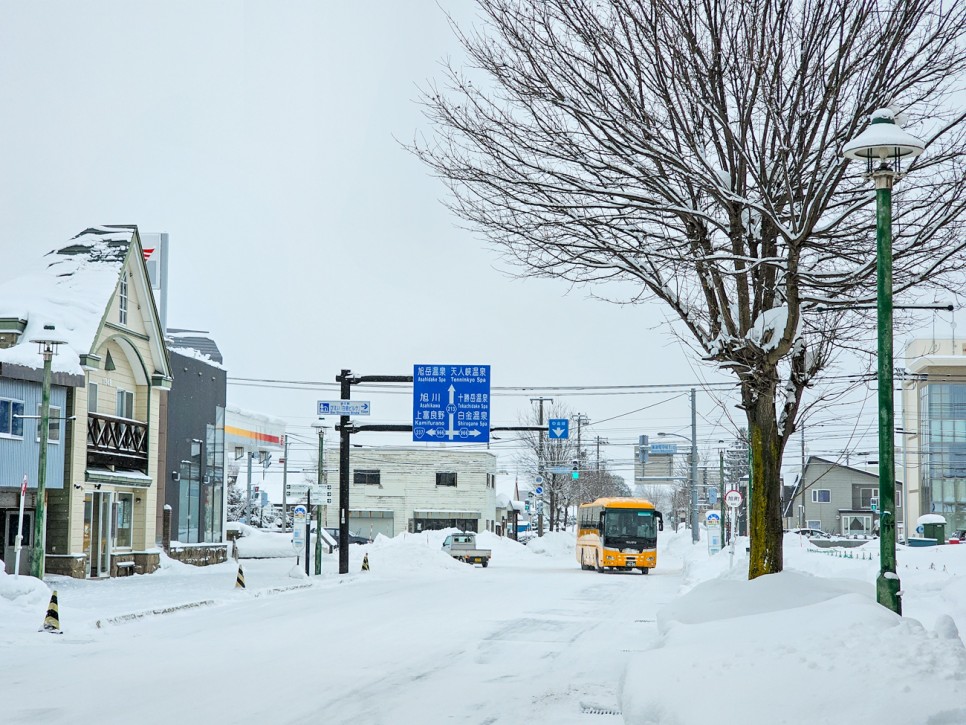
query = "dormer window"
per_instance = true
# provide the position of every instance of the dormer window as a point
(122, 299)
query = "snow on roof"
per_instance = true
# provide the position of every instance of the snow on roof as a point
(70, 289)
(197, 355)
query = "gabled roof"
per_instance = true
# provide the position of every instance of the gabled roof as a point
(70, 289)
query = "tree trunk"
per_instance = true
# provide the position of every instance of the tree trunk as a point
(765, 526)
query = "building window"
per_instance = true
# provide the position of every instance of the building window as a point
(239, 452)
(821, 495)
(125, 404)
(53, 424)
(446, 478)
(124, 519)
(866, 495)
(92, 397)
(814, 524)
(11, 418)
(122, 299)
(366, 476)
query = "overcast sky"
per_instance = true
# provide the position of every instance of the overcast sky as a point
(264, 137)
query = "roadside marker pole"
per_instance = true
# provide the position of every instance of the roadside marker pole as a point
(16, 549)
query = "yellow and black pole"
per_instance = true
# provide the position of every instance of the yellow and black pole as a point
(886, 142)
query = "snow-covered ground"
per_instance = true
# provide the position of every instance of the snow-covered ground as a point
(421, 638)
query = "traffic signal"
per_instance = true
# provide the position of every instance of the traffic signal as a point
(643, 448)
(576, 473)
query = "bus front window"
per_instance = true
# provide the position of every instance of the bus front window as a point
(630, 524)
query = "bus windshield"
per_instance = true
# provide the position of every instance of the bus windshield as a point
(630, 524)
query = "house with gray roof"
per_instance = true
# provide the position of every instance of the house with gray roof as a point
(93, 294)
(840, 500)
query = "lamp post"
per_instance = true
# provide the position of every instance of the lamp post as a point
(886, 142)
(47, 349)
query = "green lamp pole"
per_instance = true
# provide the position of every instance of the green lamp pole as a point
(886, 142)
(48, 348)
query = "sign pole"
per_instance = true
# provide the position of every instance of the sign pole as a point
(16, 549)
(308, 530)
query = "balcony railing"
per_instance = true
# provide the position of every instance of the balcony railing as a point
(116, 443)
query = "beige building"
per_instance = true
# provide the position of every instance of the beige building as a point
(95, 293)
(397, 489)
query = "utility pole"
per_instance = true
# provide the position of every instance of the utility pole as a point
(580, 419)
(599, 441)
(694, 470)
(345, 392)
(318, 508)
(801, 480)
(721, 483)
(248, 496)
(285, 486)
(540, 462)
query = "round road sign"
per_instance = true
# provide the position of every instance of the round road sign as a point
(733, 498)
(538, 490)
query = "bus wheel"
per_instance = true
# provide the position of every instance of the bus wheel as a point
(597, 565)
(644, 570)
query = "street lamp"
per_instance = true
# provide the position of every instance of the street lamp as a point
(887, 142)
(47, 349)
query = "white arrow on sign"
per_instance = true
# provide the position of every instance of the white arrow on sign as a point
(558, 431)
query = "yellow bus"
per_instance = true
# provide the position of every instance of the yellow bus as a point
(618, 533)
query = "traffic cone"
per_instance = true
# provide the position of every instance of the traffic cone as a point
(52, 620)
(240, 579)
(365, 562)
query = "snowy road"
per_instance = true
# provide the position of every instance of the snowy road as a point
(520, 641)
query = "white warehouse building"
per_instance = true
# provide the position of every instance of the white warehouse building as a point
(396, 489)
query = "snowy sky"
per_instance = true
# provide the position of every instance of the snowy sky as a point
(265, 138)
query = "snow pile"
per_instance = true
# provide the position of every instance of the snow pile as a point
(22, 591)
(258, 544)
(408, 553)
(827, 636)
(555, 544)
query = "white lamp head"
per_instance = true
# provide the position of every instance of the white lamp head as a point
(883, 139)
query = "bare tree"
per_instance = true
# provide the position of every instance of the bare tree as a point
(690, 152)
(539, 454)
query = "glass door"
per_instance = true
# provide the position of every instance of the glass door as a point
(97, 531)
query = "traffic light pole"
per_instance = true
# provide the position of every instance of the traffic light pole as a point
(346, 428)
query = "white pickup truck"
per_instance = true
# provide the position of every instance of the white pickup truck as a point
(462, 547)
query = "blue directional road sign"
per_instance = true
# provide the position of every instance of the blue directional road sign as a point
(451, 402)
(343, 407)
(558, 428)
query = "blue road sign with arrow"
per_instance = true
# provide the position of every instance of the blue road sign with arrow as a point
(451, 402)
(558, 429)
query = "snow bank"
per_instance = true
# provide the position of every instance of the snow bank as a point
(257, 544)
(828, 637)
(555, 544)
(22, 591)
